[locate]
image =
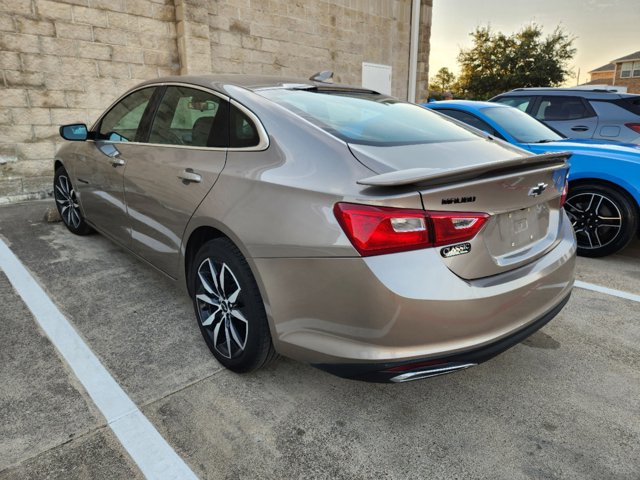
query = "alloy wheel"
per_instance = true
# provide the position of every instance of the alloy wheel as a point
(596, 219)
(65, 196)
(219, 304)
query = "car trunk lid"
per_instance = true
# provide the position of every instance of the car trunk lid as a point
(520, 192)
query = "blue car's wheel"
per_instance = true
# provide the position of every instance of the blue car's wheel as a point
(604, 218)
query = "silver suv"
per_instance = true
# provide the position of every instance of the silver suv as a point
(576, 113)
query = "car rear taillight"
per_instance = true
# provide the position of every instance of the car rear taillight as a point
(633, 126)
(455, 227)
(565, 191)
(378, 230)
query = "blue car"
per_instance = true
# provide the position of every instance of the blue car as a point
(604, 180)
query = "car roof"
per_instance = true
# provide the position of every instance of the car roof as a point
(595, 93)
(250, 82)
(465, 104)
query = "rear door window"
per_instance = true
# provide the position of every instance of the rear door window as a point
(191, 117)
(558, 108)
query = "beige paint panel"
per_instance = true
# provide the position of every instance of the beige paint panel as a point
(160, 203)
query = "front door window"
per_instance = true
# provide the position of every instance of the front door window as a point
(122, 123)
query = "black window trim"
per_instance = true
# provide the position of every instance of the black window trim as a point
(147, 120)
(150, 114)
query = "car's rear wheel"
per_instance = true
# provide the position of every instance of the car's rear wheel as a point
(604, 218)
(229, 308)
(67, 203)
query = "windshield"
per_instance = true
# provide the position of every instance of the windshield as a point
(369, 118)
(519, 125)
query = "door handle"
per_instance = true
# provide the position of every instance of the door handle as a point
(117, 161)
(579, 128)
(188, 176)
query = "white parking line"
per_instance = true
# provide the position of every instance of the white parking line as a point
(153, 455)
(608, 291)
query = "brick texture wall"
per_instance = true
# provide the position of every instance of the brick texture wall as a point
(605, 77)
(632, 83)
(67, 60)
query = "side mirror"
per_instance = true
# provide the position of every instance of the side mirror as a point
(76, 132)
(116, 137)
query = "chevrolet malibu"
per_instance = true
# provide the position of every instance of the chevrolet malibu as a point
(367, 236)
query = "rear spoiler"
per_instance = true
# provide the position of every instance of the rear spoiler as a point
(436, 176)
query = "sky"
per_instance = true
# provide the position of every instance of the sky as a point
(605, 29)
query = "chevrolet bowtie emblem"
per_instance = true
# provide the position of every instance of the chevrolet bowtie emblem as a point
(538, 189)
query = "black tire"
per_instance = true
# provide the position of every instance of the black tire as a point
(604, 218)
(234, 325)
(67, 203)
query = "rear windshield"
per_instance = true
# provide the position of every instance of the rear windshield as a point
(522, 127)
(369, 118)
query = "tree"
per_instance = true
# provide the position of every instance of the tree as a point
(497, 62)
(442, 81)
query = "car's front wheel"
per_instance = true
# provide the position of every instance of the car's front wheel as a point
(67, 203)
(604, 218)
(229, 308)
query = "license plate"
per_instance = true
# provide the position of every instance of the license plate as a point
(522, 227)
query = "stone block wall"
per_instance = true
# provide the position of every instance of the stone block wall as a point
(300, 38)
(66, 60)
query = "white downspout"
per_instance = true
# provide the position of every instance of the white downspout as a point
(413, 50)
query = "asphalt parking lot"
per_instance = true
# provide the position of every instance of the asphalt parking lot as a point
(564, 404)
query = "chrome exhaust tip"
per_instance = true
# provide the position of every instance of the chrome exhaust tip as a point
(430, 372)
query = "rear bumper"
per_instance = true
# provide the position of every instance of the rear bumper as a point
(404, 307)
(429, 367)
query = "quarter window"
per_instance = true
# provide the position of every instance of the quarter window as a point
(243, 132)
(191, 117)
(122, 122)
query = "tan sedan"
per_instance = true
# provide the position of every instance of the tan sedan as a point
(364, 235)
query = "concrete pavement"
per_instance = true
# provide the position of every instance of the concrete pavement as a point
(564, 404)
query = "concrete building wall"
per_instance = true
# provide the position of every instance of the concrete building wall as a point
(67, 60)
